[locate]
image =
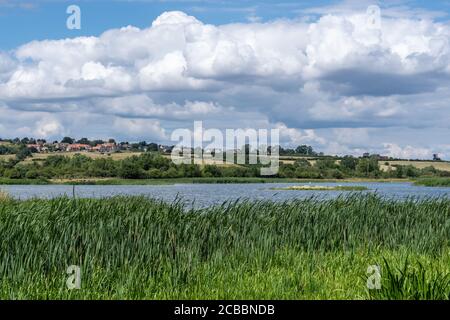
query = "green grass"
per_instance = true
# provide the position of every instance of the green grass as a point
(434, 182)
(137, 248)
(7, 181)
(323, 188)
(166, 181)
(413, 282)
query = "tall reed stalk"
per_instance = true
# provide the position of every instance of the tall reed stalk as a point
(134, 247)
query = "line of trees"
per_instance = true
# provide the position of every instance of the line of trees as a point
(300, 150)
(351, 167)
(152, 165)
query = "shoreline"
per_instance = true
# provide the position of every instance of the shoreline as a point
(227, 180)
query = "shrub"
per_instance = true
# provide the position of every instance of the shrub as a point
(32, 174)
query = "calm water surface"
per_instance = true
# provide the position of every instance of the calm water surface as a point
(208, 194)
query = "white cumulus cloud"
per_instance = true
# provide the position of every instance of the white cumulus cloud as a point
(307, 77)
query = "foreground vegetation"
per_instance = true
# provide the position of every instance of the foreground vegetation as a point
(137, 248)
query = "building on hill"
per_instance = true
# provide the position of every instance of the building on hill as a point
(78, 147)
(105, 147)
(60, 146)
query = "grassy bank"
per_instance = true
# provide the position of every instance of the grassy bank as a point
(433, 182)
(110, 181)
(6, 181)
(136, 248)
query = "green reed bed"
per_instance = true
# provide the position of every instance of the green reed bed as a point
(433, 182)
(137, 248)
(7, 181)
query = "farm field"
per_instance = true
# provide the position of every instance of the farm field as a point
(206, 161)
(93, 155)
(136, 248)
(7, 156)
(444, 166)
(96, 155)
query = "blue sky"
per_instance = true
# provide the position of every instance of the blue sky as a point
(320, 71)
(46, 19)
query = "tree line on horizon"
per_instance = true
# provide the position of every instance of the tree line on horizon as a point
(153, 165)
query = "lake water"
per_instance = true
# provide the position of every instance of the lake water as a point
(208, 194)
